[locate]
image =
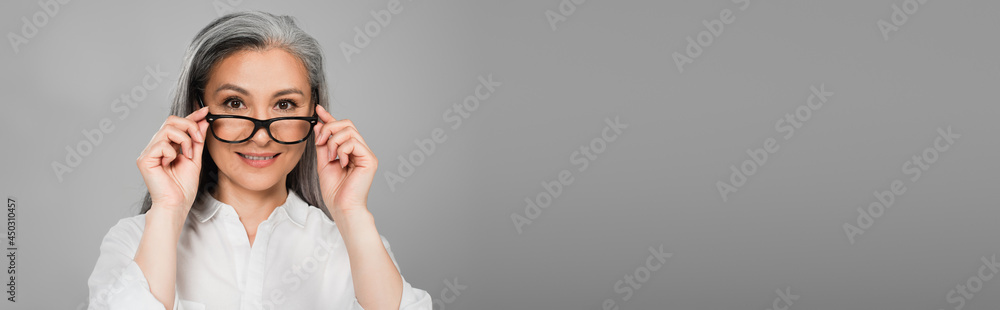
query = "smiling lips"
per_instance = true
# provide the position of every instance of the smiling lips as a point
(258, 160)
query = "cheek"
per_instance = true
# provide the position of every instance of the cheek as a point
(213, 147)
(294, 154)
(219, 151)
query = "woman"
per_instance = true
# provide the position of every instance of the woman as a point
(274, 215)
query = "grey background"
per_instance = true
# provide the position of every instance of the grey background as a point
(654, 185)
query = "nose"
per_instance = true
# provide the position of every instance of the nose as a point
(261, 137)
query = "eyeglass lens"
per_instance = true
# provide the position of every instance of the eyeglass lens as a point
(236, 129)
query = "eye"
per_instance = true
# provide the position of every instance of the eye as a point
(285, 105)
(233, 103)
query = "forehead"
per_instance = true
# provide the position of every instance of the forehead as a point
(260, 72)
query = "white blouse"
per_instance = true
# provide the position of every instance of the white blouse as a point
(298, 261)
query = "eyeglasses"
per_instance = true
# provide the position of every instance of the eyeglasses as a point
(239, 129)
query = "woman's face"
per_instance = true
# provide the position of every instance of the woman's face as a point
(261, 85)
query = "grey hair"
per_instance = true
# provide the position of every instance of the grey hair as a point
(259, 31)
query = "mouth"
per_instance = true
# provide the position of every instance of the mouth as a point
(258, 160)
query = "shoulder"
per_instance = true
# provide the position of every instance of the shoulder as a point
(129, 225)
(125, 235)
(317, 220)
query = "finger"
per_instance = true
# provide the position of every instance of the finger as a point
(324, 115)
(334, 127)
(185, 124)
(150, 156)
(167, 153)
(199, 147)
(182, 138)
(342, 152)
(198, 114)
(331, 151)
(360, 153)
(318, 130)
(350, 124)
(324, 133)
(335, 143)
(203, 129)
(345, 134)
(326, 152)
(322, 156)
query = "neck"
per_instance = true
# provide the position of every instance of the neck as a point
(251, 205)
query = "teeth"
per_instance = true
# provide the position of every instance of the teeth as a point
(256, 157)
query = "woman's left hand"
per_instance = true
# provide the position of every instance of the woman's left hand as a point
(345, 181)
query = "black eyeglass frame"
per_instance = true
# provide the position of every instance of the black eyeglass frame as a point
(258, 124)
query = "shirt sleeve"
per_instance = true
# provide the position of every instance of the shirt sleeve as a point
(117, 282)
(413, 298)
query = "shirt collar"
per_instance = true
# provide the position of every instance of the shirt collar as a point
(206, 206)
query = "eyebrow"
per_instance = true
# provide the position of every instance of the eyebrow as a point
(247, 93)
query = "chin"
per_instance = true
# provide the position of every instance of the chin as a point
(258, 180)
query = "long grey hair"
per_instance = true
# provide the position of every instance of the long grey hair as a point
(251, 31)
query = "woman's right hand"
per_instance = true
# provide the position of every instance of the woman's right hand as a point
(171, 163)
